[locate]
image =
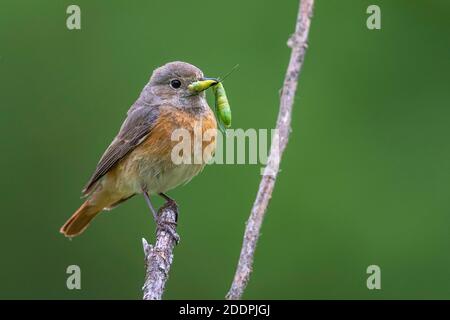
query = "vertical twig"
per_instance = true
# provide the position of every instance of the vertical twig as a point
(158, 258)
(298, 43)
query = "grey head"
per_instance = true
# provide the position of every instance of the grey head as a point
(169, 85)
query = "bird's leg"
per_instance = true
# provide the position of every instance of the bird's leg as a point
(164, 225)
(149, 203)
(166, 197)
(171, 202)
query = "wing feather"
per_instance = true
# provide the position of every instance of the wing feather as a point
(137, 126)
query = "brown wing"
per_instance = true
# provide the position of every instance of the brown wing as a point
(137, 126)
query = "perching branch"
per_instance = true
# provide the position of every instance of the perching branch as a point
(298, 43)
(158, 258)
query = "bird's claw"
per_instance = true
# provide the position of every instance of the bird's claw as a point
(169, 227)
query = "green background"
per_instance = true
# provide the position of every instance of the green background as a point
(364, 180)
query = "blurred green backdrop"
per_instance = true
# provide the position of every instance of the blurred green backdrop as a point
(365, 179)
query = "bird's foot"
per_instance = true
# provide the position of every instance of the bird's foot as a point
(169, 227)
(170, 203)
(166, 222)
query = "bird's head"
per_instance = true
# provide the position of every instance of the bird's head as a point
(180, 83)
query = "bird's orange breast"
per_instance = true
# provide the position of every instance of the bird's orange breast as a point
(169, 129)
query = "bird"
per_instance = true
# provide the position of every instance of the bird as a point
(139, 159)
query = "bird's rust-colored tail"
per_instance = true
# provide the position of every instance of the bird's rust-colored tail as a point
(79, 221)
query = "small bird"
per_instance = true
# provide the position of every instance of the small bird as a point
(139, 160)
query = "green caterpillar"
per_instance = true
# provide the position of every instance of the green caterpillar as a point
(201, 85)
(223, 110)
(222, 106)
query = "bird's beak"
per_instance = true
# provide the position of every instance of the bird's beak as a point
(202, 84)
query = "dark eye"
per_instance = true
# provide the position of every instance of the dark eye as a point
(175, 83)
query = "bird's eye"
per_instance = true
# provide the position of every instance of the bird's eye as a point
(175, 83)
